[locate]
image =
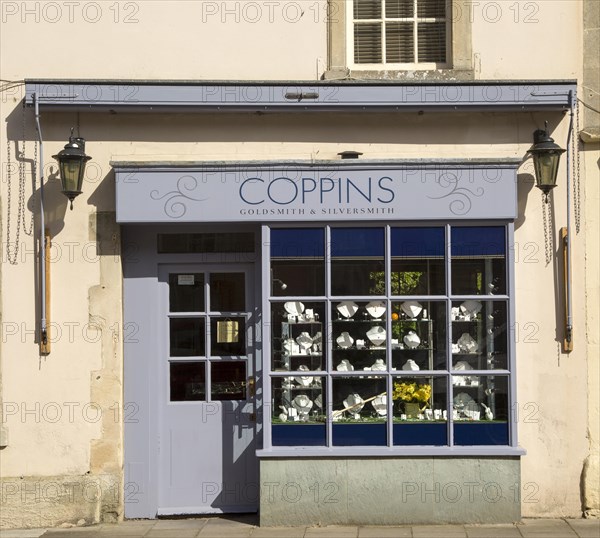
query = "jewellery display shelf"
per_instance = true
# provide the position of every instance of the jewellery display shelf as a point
(478, 343)
(298, 347)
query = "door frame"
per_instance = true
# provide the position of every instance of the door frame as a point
(141, 323)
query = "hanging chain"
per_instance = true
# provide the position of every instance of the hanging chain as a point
(576, 145)
(548, 236)
(12, 249)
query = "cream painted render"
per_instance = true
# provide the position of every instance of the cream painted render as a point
(64, 413)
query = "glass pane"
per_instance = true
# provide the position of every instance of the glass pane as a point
(478, 260)
(357, 261)
(419, 407)
(228, 380)
(367, 9)
(480, 410)
(186, 292)
(205, 243)
(367, 43)
(419, 335)
(359, 411)
(298, 412)
(227, 292)
(187, 381)
(227, 336)
(431, 38)
(186, 336)
(431, 8)
(297, 336)
(418, 266)
(297, 262)
(479, 335)
(359, 335)
(399, 42)
(397, 9)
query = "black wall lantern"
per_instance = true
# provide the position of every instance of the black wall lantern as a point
(546, 158)
(71, 162)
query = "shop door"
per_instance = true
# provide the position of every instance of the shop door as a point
(207, 461)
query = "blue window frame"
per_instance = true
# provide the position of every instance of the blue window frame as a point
(390, 337)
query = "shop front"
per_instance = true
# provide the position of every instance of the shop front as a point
(327, 342)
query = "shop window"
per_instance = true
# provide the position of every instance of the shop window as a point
(390, 337)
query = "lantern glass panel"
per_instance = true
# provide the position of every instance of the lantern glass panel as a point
(71, 176)
(546, 168)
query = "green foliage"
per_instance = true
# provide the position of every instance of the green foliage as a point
(402, 283)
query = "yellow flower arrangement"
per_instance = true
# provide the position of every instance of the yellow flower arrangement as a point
(412, 392)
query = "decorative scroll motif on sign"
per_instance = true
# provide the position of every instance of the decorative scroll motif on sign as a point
(175, 203)
(460, 203)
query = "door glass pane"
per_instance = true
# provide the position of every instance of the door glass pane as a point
(418, 266)
(187, 381)
(186, 337)
(186, 292)
(228, 380)
(228, 292)
(357, 266)
(297, 262)
(227, 336)
(478, 260)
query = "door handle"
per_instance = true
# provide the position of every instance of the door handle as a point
(252, 386)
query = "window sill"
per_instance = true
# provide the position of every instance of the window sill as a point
(409, 75)
(358, 451)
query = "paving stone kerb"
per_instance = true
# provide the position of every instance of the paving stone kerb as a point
(223, 528)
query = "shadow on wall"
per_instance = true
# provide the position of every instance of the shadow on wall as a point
(554, 255)
(525, 184)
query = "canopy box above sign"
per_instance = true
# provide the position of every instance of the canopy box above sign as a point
(323, 191)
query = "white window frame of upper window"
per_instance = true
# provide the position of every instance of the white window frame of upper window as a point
(350, 23)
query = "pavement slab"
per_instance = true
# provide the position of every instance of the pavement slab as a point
(247, 527)
(331, 532)
(172, 524)
(495, 531)
(445, 531)
(279, 532)
(384, 532)
(546, 528)
(585, 528)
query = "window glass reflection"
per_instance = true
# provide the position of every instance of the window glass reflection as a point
(187, 381)
(228, 380)
(297, 262)
(186, 292)
(186, 337)
(227, 292)
(418, 261)
(357, 261)
(478, 260)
